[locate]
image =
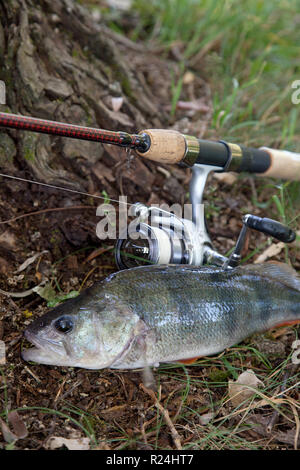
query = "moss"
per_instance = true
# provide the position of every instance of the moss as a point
(125, 84)
(75, 53)
(29, 155)
(217, 375)
(29, 144)
(7, 149)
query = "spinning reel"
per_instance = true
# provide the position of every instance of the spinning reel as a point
(169, 239)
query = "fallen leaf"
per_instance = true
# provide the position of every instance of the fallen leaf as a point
(123, 5)
(30, 261)
(48, 293)
(271, 251)
(196, 105)
(55, 442)
(244, 387)
(206, 418)
(116, 103)
(227, 178)
(17, 424)
(188, 78)
(20, 295)
(8, 240)
(8, 436)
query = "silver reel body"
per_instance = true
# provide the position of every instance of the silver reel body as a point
(169, 239)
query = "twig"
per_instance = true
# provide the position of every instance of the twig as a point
(275, 415)
(165, 413)
(32, 374)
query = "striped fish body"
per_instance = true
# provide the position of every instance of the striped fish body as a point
(148, 315)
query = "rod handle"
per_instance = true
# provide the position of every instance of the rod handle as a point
(283, 164)
(166, 146)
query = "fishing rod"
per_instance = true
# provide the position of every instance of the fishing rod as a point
(170, 146)
(172, 239)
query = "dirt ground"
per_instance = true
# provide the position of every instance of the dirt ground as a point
(111, 408)
(110, 405)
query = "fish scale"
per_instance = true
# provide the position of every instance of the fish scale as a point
(147, 315)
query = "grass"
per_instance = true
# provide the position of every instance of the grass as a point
(250, 56)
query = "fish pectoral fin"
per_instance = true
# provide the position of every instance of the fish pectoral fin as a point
(148, 379)
(189, 361)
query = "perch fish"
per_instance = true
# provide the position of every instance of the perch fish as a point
(143, 316)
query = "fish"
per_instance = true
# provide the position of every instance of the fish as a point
(144, 316)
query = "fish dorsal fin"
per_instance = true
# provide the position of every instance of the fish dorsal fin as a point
(276, 271)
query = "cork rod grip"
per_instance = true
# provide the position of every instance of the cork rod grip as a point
(284, 164)
(166, 146)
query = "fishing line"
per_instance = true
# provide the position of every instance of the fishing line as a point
(64, 189)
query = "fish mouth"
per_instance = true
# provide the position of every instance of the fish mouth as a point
(45, 351)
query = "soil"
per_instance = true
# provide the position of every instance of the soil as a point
(109, 406)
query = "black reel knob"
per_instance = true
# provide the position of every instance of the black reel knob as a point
(270, 227)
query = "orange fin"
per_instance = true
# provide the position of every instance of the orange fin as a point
(189, 361)
(287, 323)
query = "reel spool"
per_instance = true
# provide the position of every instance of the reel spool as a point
(169, 239)
(166, 241)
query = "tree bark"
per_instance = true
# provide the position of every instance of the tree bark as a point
(58, 63)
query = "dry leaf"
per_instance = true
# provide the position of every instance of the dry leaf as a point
(196, 105)
(188, 78)
(271, 251)
(244, 387)
(30, 261)
(8, 436)
(206, 418)
(20, 295)
(116, 103)
(17, 424)
(8, 240)
(123, 5)
(227, 178)
(55, 442)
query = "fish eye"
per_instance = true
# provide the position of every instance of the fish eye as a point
(64, 325)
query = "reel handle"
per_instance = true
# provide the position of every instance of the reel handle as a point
(270, 227)
(264, 225)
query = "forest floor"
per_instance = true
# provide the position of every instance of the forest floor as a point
(110, 409)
